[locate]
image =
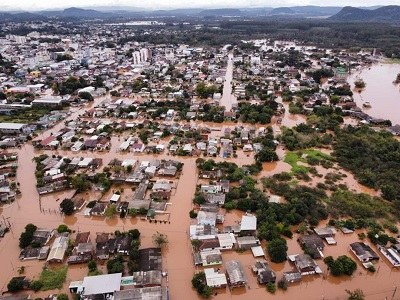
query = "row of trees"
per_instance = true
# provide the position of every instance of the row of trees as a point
(374, 158)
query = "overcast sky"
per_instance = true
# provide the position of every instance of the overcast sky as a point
(170, 4)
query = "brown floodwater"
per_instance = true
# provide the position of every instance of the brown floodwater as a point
(228, 99)
(177, 256)
(380, 91)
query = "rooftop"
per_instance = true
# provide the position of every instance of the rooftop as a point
(101, 284)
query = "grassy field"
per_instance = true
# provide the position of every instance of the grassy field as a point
(293, 159)
(25, 116)
(53, 278)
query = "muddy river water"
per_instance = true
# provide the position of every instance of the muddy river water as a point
(177, 258)
(380, 91)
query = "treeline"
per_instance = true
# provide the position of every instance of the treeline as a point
(373, 157)
(322, 33)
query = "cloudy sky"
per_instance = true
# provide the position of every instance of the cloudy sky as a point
(166, 4)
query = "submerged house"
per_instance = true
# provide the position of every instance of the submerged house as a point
(312, 244)
(58, 249)
(363, 252)
(235, 274)
(215, 279)
(306, 265)
(264, 272)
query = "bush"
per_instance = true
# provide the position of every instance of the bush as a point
(92, 265)
(62, 297)
(53, 278)
(27, 236)
(67, 207)
(199, 283)
(343, 265)
(36, 285)
(63, 228)
(115, 265)
(277, 250)
(15, 285)
(371, 269)
(282, 284)
(193, 214)
(134, 233)
(271, 288)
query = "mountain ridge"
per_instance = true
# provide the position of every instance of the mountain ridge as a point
(388, 13)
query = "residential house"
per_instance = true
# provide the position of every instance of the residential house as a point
(214, 279)
(58, 249)
(306, 265)
(145, 279)
(264, 272)
(247, 242)
(97, 287)
(218, 199)
(312, 244)
(146, 293)
(150, 259)
(363, 252)
(138, 147)
(391, 254)
(248, 224)
(102, 246)
(206, 218)
(208, 257)
(235, 274)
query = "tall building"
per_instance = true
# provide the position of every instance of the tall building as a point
(136, 58)
(144, 54)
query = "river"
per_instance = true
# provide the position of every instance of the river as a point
(380, 91)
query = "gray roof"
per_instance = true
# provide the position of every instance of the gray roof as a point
(249, 222)
(235, 272)
(102, 284)
(147, 293)
(12, 126)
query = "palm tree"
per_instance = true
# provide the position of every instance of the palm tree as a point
(160, 239)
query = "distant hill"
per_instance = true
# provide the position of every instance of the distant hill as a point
(221, 12)
(390, 13)
(20, 17)
(74, 12)
(316, 11)
(282, 11)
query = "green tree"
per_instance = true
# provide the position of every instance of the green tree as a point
(115, 265)
(92, 265)
(160, 239)
(343, 265)
(134, 233)
(15, 285)
(67, 207)
(271, 288)
(86, 95)
(62, 297)
(355, 295)
(111, 211)
(277, 249)
(63, 228)
(36, 285)
(199, 283)
(80, 183)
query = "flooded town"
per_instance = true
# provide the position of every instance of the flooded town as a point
(133, 167)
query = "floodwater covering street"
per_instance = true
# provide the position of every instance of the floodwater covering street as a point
(177, 257)
(228, 99)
